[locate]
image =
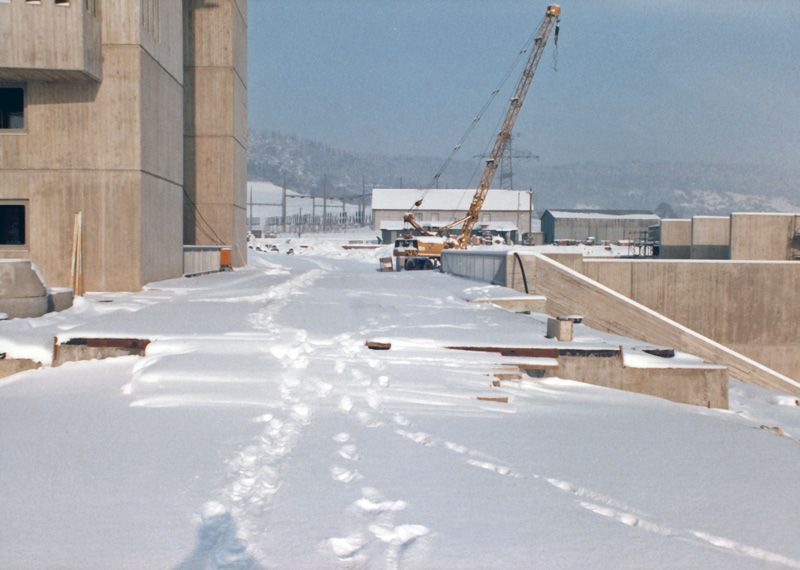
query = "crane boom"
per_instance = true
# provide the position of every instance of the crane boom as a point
(424, 251)
(550, 20)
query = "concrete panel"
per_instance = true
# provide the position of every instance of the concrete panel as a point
(65, 46)
(122, 22)
(676, 232)
(165, 42)
(675, 252)
(161, 234)
(211, 33)
(214, 162)
(162, 122)
(213, 102)
(19, 279)
(761, 236)
(240, 111)
(719, 252)
(711, 230)
(711, 237)
(571, 260)
(616, 276)
(698, 386)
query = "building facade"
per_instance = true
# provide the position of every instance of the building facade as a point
(441, 206)
(602, 225)
(99, 107)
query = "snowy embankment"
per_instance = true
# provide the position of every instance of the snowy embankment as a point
(260, 432)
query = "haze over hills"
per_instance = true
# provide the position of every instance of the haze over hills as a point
(688, 188)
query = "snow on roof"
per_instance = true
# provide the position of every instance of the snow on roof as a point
(603, 214)
(497, 226)
(395, 225)
(448, 199)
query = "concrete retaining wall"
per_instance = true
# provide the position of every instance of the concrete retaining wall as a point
(750, 307)
(570, 292)
(482, 265)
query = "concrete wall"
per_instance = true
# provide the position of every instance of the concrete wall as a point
(486, 265)
(676, 239)
(570, 292)
(762, 236)
(215, 131)
(711, 237)
(64, 47)
(750, 307)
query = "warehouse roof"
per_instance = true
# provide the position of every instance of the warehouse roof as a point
(603, 214)
(403, 199)
(395, 225)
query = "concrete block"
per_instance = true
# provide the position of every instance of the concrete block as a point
(59, 298)
(559, 329)
(18, 278)
(23, 307)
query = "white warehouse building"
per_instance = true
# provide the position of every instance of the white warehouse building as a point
(441, 206)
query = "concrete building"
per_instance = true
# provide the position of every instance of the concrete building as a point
(602, 225)
(443, 206)
(132, 112)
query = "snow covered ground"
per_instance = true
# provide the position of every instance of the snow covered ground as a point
(260, 432)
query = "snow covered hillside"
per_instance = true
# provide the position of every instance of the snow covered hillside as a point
(260, 432)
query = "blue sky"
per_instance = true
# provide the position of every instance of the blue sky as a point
(708, 80)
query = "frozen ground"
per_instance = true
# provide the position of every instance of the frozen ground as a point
(260, 432)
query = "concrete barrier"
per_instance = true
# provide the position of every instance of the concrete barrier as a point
(24, 295)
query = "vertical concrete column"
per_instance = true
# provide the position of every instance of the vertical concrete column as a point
(215, 124)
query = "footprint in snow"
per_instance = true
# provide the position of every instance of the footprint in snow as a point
(344, 475)
(350, 452)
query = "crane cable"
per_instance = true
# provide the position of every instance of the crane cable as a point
(528, 45)
(555, 44)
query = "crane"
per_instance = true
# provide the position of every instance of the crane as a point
(432, 249)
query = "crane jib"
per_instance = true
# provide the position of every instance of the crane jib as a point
(551, 19)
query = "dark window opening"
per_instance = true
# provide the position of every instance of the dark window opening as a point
(12, 225)
(12, 106)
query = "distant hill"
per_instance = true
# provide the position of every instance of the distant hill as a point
(682, 189)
